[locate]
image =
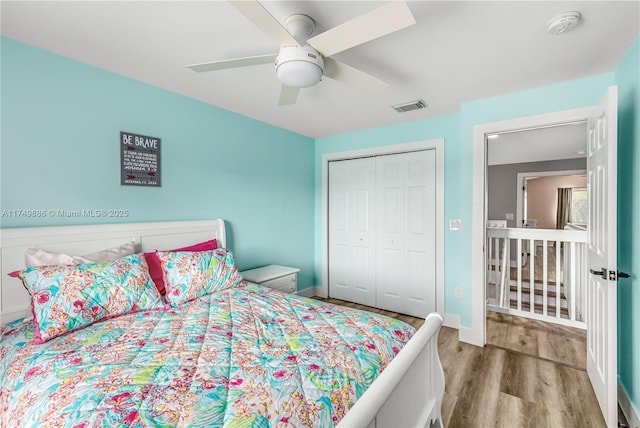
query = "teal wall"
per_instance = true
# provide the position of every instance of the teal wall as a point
(60, 150)
(457, 130)
(628, 81)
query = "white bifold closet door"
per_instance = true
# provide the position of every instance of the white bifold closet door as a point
(405, 233)
(382, 232)
(351, 231)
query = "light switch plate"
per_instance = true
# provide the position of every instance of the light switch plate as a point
(454, 224)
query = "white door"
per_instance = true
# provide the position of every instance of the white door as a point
(351, 233)
(601, 290)
(405, 262)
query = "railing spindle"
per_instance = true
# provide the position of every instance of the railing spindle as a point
(558, 283)
(572, 300)
(498, 267)
(545, 285)
(507, 274)
(519, 263)
(532, 277)
(489, 261)
(499, 280)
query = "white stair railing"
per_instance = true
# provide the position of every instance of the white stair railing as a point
(543, 277)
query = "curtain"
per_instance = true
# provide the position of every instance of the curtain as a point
(564, 206)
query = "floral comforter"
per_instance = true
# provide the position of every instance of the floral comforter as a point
(243, 357)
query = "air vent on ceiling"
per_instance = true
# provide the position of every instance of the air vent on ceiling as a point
(412, 105)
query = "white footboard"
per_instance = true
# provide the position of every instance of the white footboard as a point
(408, 393)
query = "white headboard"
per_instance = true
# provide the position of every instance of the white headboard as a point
(79, 240)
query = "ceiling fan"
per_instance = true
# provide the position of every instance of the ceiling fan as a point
(302, 65)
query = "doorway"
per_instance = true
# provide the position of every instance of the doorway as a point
(477, 334)
(535, 264)
(601, 243)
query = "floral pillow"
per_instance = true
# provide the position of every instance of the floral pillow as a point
(67, 298)
(155, 268)
(189, 275)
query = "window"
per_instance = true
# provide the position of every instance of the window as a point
(579, 211)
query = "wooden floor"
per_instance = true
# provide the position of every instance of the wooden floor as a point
(556, 343)
(530, 374)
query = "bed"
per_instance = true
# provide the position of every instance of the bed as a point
(242, 356)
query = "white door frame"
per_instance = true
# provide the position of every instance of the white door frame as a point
(520, 179)
(477, 333)
(435, 144)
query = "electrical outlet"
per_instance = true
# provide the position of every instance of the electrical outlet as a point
(509, 216)
(458, 293)
(454, 224)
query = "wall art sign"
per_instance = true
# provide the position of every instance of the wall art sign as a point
(139, 160)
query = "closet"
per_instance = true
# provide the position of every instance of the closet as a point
(382, 243)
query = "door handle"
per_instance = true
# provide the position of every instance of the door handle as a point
(602, 272)
(615, 276)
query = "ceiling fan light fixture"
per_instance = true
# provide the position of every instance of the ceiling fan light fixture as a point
(299, 66)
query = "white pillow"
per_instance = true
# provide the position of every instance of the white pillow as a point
(38, 257)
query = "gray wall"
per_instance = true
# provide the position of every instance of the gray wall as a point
(503, 186)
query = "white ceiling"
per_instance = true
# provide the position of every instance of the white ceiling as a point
(542, 144)
(457, 52)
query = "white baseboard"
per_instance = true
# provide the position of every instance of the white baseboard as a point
(630, 412)
(452, 320)
(468, 335)
(307, 292)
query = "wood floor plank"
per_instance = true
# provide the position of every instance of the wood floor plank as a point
(476, 407)
(519, 377)
(563, 349)
(514, 412)
(566, 345)
(448, 406)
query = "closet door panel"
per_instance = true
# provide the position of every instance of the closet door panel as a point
(416, 276)
(420, 234)
(338, 231)
(406, 214)
(390, 257)
(351, 237)
(360, 265)
(389, 274)
(339, 272)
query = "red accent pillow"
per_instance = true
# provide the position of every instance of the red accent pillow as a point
(155, 267)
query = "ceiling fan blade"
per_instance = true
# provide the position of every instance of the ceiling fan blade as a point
(233, 63)
(261, 18)
(288, 95)
(352, 76)
(377, 23)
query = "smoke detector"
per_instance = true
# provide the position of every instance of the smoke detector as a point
(564, 22)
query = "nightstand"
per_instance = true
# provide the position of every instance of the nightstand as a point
(281, 278)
